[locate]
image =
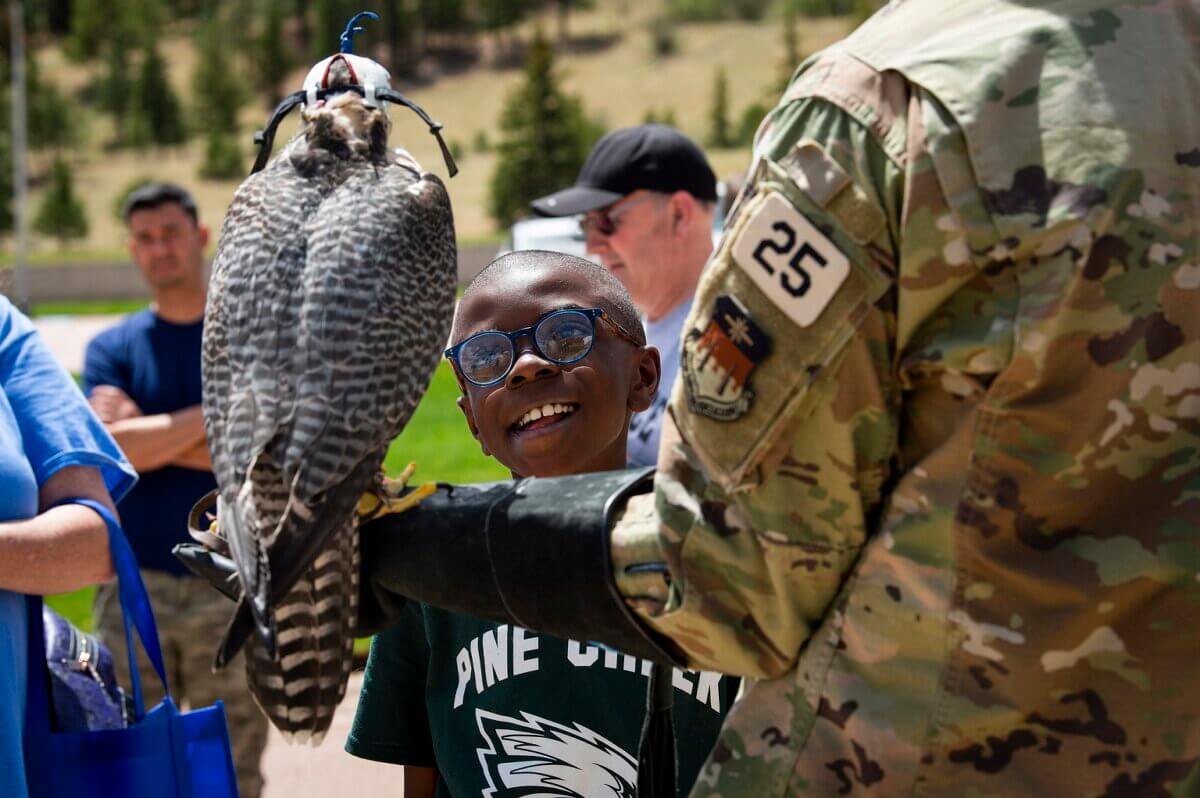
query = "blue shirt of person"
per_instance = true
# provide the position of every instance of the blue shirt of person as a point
(157, 363)
(45, 426)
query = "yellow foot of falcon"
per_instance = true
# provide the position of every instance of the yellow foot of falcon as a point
(387, 497)
(390, 497)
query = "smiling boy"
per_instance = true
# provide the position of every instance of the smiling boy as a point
(551, 358)
(591, 400)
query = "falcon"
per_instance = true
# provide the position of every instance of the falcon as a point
(330, 302)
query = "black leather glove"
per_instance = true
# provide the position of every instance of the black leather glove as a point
(216, 569)
(534, 553)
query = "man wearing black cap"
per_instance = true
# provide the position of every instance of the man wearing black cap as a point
(647, 195)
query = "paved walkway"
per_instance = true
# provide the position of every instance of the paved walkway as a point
(68, 336)
(299, 771)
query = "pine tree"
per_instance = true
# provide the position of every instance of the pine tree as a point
(50, 122)
(546, 138)
(115, 86)
(331, 19)
(791, 50)
(142, 20)
(218, 96)
(222, 157)
(271, 56)
(90, 19)
(400, 33)
(718, 117)
(216, 89)
(6, 156)
(298, 9)
(442, 16)
(60, 214)
(57, 16)
(153, 103)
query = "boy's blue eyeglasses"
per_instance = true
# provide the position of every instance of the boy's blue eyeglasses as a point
(561, 336)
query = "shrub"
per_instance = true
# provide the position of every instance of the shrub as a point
(662, 38)
(60, 214)
(748, 126)
(222, 157)
(719, 134)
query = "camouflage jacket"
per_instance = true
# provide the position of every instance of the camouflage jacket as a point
(932, 471)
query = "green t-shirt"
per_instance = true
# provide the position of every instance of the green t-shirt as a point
(501, 711)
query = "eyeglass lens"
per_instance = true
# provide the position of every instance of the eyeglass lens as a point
(599, 222)
(486, 358)
(562, 337)
(604, 221)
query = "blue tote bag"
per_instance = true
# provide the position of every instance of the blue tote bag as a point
(163, 753)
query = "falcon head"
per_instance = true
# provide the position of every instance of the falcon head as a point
(347, 72)
(359, 87)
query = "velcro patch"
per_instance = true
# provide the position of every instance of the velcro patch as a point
(814, 172)
(790, 260)
(718, 361)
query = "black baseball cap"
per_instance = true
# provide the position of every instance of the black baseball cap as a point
(650, 157)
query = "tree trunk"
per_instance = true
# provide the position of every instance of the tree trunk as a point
(564, 10)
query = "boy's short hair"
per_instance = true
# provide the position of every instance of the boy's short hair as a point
(152, 195)
(616, 299)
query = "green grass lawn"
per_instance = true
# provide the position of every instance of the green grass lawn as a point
(89, 307)
(436, 439)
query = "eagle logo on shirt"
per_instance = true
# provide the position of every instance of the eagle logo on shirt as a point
(532, 757)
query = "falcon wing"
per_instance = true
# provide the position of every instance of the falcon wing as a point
(364, 327)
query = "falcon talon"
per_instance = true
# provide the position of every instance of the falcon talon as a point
(407, 501)
(402, 480)
(389, 498)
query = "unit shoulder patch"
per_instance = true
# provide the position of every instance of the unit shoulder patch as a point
(796, 265)
(718, 361)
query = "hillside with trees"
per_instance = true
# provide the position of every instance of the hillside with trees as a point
(121, 91)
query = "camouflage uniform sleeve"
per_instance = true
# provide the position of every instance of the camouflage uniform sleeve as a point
(783, 424)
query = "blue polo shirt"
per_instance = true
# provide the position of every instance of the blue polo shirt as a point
(157, 363)
(45, 425)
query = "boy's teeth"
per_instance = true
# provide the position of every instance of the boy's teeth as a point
(544, 411)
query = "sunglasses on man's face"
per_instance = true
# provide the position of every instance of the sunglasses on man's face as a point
(606, 220)
(561, 336)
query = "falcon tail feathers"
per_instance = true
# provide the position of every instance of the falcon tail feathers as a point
(299, 688)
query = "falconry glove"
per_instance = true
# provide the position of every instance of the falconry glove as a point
(534, 552)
